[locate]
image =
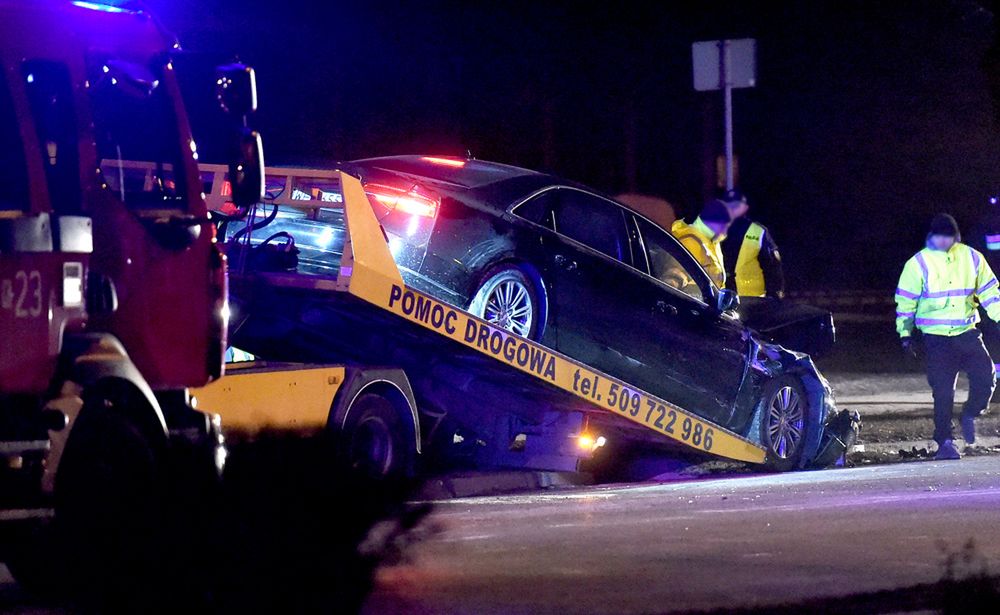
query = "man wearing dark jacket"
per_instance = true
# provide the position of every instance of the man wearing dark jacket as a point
(753, 263)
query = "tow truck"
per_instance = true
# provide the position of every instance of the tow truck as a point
(448, 389)
(113, 296)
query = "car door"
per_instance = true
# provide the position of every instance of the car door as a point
(589, 250)
(703, 352)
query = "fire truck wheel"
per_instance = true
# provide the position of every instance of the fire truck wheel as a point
(376, 440)
(108, 496)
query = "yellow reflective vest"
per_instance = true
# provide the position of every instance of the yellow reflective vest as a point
(940, 292)
(704, 245)
(748, 273)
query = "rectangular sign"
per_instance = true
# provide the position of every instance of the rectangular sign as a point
(738, 57)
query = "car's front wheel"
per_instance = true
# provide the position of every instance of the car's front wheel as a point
(508, 298)
(784, 421)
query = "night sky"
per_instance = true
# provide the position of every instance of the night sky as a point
(865, 122)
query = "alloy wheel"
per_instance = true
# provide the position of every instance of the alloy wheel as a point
(508, 306)
(785, 422)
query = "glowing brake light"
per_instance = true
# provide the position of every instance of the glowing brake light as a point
(402, 201)
(448, 162)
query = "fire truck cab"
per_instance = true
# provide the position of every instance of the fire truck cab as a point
(112, 288)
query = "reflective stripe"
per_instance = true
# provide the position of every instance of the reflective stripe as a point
(957, 292)
(905, 314)
(990, 301)
(987, 286)
(905, 293)
(947, 321)
(923, 268)
(993, 239)
(975, 261)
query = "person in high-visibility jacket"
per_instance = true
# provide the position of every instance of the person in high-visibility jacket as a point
(753, 263)
(703, 237)
(939, 294)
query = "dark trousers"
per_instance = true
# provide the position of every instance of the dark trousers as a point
(946, 357)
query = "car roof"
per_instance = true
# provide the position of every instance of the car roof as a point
(492, 185)
(462, 172)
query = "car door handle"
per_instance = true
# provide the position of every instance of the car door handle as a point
(665, 308)
(565, 263)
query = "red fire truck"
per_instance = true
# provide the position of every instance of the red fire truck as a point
(112, 288)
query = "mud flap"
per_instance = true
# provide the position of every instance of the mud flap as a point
(839, 435)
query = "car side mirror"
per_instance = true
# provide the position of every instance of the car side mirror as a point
(727, 300)
(246, 173)
(236, 89)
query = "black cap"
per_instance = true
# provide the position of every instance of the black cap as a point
(715, 211)
(733, 196)
(943, 224)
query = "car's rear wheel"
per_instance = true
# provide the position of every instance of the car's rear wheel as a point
(508, 298)
(784, 421)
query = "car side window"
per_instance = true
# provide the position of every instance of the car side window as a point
(668, 263)
(539, 208)
(594, 222)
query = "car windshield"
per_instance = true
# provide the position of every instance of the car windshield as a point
(137, 137)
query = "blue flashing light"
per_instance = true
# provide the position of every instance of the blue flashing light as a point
(94, 6)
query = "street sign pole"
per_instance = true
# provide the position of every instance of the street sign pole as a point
(724, 65)
(728, 96)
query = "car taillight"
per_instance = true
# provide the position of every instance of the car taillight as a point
(409, 202)
(447, 162)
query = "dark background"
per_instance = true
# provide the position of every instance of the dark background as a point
(866, 119)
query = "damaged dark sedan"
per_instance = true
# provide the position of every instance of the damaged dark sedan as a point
(558, 263)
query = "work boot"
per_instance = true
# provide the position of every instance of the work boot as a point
(969, 429)
(947, 450)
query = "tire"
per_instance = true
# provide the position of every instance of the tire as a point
(784, 424)
(109, 500)
(508, 298)
(377, 443)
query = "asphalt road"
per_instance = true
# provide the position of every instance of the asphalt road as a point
(746, 541)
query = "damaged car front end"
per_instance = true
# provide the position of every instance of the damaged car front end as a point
(828, 432)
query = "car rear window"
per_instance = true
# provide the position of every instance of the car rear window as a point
(461, 172)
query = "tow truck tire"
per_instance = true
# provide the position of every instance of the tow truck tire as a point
(784, 422)
(510, 297)
(377, 443)
(109, 499)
